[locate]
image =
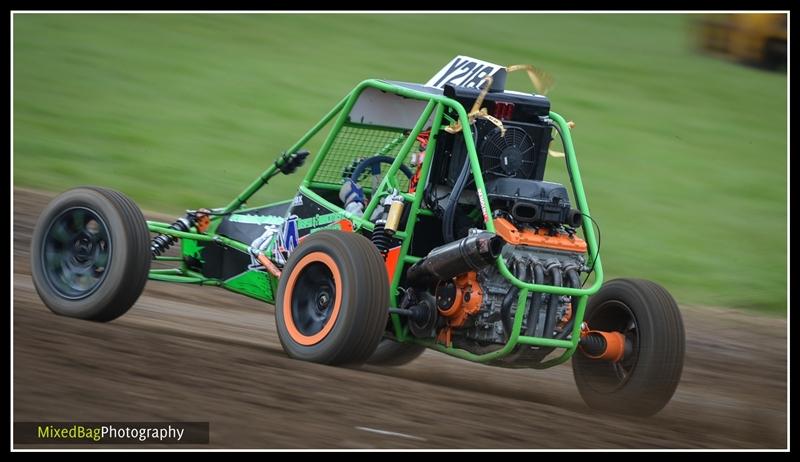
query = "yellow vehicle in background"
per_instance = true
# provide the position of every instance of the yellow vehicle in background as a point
(752, 38)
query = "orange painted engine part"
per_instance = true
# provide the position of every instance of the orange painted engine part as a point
(566, 317)
(540, 238)
(459, 299)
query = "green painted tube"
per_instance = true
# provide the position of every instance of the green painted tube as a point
(201, 237)
(181, 234)
(580, 197)
(328, 186)
(173, 271)
(164, 258)
(175, 278)
(390, 145)
(544, 342)
(198, 275)
(411, 223)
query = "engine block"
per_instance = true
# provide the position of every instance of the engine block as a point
(490, 327)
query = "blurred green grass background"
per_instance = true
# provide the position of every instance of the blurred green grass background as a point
(683, 156)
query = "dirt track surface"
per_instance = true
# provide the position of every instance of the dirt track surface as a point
(203, 354)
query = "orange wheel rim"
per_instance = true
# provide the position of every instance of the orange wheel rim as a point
(316, 306)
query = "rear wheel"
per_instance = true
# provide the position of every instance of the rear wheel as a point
(644, 380)
(90, 254)
(391, 353)
(333, 299)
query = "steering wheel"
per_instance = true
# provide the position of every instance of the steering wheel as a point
(374, 164)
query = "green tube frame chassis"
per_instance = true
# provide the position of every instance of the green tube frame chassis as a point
(436, 105)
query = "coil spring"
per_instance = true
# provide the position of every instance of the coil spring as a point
(379, 237)
(163, 242)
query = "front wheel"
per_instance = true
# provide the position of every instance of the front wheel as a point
(643, 381)
(90, 254)
(333, 299)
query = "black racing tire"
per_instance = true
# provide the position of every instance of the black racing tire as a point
(644, 380)
(391, 353)
(333, 299)
(90, 254)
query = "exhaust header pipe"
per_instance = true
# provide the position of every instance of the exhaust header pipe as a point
(472, 253)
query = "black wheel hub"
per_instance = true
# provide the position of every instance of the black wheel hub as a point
(76, 252)
(323, 300)
(313, 298)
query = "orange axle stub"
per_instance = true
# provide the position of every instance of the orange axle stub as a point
(606, 346)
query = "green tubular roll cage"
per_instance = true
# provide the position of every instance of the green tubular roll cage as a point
(436, 105)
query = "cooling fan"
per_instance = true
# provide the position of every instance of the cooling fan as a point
(511, 155)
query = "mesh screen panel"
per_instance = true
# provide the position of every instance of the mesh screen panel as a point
(355, 143)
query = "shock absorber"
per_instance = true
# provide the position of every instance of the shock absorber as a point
(163, 242)
(379, 237)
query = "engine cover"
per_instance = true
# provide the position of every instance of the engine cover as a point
(532, 201)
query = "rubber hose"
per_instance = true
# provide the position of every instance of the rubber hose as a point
(511, 296)
(536, 301)
(550, 323)
(573, 281)
(452, 204)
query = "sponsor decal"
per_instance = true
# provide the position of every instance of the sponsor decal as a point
(482, 202)
(265, 246)
(341, 225)
(319, 220)
(290, 237)
(277, 242)
(256, 219)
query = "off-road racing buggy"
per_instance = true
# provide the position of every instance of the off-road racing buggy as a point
(417, 225)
